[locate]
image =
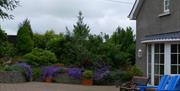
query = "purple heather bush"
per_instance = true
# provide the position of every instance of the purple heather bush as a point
(101, 73)
(50, 72)
(75, 73)
(26, 69)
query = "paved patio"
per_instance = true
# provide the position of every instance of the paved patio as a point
(37, 86)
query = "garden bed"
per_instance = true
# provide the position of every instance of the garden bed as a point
(11, 77)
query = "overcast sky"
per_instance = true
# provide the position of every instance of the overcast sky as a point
(100, 15)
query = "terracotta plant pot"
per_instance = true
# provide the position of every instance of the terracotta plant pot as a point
(47, 79)
(87, 82)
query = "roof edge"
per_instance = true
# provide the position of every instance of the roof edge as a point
(161, 40)
(135, 10)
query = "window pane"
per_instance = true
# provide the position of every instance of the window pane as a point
(162, 58)
(174, 48)
(173, 69)
(149, 53)
(156, 69)
(179, 59)
(162, 48)
(156, 48)
(149, 68)
(173, 58)
(156, 58)
(166, 4)
(179, 48)
(161, 69)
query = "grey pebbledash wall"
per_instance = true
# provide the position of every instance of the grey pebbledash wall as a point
(150, 22)
(11, 77)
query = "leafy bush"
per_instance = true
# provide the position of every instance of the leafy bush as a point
(88, 74)
(40, 57)
(25, 38)
(112, 77)
(36, 73)
(40, 40)
(6, 68)
(7, 50)
(134, 71)
(3, 36)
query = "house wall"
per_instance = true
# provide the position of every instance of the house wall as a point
(149, 22)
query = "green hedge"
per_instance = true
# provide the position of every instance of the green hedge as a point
(40, 57)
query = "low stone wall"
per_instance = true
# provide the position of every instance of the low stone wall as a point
(64, 78)
(12, 77)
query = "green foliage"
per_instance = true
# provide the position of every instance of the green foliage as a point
(87, 74)
(57, 45)
(24, 38)
(6, 49)
(123, 46)
(7, 5)
(114, 76)
(11, 68)
(40, 57)
(134, 71)
(5, 68)
(36, 73)
(41, 40)
(3, 36)
(81, 30)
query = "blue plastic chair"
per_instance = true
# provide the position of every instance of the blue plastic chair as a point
(162, 84)
(173, 84)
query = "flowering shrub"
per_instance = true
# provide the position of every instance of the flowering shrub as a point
(50, 72)
(75, 73)
(24, 68)
(101, 72)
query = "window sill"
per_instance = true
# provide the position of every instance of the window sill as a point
(164, 14)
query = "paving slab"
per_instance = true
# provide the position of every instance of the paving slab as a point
(38, 86)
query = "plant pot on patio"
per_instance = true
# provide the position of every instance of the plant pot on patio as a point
(48, 79)
(87, 82)
(87, 78)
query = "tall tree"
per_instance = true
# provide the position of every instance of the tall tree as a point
(81, 30)
(6, 49)
(3, 36)
(124, 40)
(7, 5)
(24, 38)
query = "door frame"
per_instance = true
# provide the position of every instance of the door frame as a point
(167, 60)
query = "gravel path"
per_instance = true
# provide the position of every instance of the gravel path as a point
(37, 86)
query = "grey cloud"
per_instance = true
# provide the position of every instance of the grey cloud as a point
(100, 15)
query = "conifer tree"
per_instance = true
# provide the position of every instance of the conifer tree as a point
(24, 38)
(81, 30)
